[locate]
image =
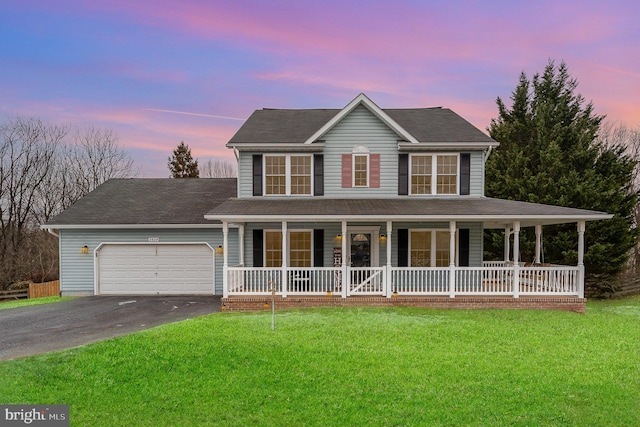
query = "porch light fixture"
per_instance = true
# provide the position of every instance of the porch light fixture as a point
(383, 238)
(219, 250)
(338, 237)
(84, 249)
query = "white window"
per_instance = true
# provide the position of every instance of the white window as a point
(275, 173)
(360, 166)
(434, 174)
(273, 248)
(287, 174)
(429, 248)
(300, 248)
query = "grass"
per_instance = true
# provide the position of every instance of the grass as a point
(34, 301)
(352, 367)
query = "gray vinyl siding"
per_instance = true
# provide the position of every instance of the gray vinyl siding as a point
(245, 174)
(360, 127)
(331, 230)
(77, 269)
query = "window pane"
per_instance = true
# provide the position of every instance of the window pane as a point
(360, 171)
(447, 179)
(442, 248)
(273, 248)
(300, 249)
(420, 248)
(421, 174)
(275, 174)
(300, 174)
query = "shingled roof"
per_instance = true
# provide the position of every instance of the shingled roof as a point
(140, 201)
(427, 125)
(492, 212)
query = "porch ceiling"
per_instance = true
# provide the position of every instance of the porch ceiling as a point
(493, 213)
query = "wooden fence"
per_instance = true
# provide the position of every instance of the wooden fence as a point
(46, 289)
(629, 285)
(14, 294)
(36, 290)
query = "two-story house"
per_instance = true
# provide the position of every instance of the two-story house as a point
(360, 205)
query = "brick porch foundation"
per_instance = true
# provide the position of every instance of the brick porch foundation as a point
(568, 303)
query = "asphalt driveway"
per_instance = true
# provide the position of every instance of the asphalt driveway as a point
(39, 329)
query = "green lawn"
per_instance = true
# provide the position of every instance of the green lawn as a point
(352, 367)
(34, 301)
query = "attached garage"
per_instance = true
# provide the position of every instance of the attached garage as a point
(154, 269)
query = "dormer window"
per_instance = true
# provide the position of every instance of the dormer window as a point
(287, 175)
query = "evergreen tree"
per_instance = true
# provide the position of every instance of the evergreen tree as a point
(549, 153)
(181, 163)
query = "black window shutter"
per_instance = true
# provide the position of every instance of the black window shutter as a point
(318, 175)
(318, 248)
(403, 247)
(463, 247)
(257, 174)
(403, 174)
(465, 174)
(258, 243)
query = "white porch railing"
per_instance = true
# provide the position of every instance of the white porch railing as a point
(496, 278)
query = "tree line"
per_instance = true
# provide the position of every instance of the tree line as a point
(44, 169)
(555, 150)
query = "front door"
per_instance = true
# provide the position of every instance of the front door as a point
(363, 246)
(360, 249)
(363, 260)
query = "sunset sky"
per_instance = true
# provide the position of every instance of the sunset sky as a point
(163, 71)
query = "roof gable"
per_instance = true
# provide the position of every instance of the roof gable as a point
(303, 129)
(363, 100)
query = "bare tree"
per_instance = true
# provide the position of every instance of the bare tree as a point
(96, 157)
(611, 135)
(45, 168)
(27, 152)
(217, 169)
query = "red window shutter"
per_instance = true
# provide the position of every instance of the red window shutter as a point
(374, 164)
(346, 171)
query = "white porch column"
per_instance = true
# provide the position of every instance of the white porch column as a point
(537, 260)
(225, 259)
(345, 277)
(388, 275)
(516, 259)
(507, 243)
(241, 243)
(581, 229)
(452, 259)
(285, 253)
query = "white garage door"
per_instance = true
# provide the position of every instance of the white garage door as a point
(155, 269)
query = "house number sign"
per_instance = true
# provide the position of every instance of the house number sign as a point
(154, 239)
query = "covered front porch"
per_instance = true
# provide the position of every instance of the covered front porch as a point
(361, 271)
(381, 258)
(492, 279)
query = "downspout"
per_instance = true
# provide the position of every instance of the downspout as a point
(486, 156)
(53, 233)
(484, 162)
